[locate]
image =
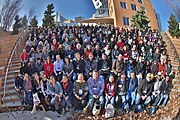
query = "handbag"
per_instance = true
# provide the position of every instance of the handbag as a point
(36, 99)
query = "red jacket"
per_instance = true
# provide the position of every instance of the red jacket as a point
(49, 69)
(24, 56)
(162, 68)
(107, 89)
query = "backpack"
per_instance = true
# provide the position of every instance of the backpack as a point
(110, 110)
(96, 108)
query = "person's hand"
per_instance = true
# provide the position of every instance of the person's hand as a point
(143, 97)
(109, 97)
(46, 97)
(18, 90)
(95, 96)
(66, 98)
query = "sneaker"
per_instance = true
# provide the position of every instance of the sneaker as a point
(71, 110)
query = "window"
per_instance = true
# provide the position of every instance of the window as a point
(123, 4)
(126, 21)
(143, 9)
(140, 1)
(133, 7)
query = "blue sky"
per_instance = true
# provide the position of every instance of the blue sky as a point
(73, 8)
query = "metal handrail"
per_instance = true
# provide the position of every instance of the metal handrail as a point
(171, 43)
(10, 59)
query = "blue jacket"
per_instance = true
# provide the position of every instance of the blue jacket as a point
(57, 89)
(132, 84)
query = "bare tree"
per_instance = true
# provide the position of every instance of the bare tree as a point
(31, 13)
(10, 9)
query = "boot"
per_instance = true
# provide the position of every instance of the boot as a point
(43, 108)
(34, 109)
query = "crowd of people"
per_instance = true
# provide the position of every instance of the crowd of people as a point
(94, 68)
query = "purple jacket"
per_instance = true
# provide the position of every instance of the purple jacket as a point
(96, 87)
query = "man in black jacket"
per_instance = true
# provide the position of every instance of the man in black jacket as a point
(79, 66)
(144, 91)
(19, 86)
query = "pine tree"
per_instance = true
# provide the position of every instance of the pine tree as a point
(48, 19)
(173, 26)
(24, 21)
(34, 21)
(16, 25)
(140, 20)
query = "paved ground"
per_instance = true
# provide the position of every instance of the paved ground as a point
(26, 115)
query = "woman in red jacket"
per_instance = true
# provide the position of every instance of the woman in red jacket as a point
(24, 56)
(48, 67)
(110, 90)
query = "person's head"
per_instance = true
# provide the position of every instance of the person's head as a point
(111, 78)
(104, 56)
(95, 74)
(78, 46)
(159, 75)
(38, 60)
(64, 78)
(132, 74)
(48, 59)
(88, 47)
(123, 76)
(155, 62)
(169, 62)
(67, 60)
(58, 57)
(43, 75)
(26, 77)
(32, 48)
(131, 60)
(52, 79)
(120, 57)
(36, 77)
(148, 77)
(167, 78)
(16, 74)
(80, 78)
(24, 50)
(22, 64)
(69, 47)
(90, 56)
(77, 56)
(31, 61)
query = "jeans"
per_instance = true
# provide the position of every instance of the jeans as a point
(146, 101)
(123, 99)
(90, 104)
(20, 94)
(111, 101)
(79, 104)
(66, 102)
(74, 76)
(54, 102)
(164, 97)
(29, 98)
(131, 95)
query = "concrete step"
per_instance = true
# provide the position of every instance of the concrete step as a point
(12, 92)
(11, 98)
(9, 82)
(12, 104)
